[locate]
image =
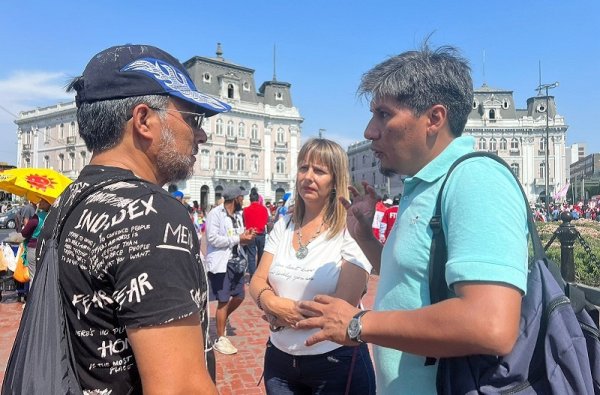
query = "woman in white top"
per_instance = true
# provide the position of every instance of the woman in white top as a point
(310, 252)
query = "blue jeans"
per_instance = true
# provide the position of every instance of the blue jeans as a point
(319, 374)
(255, 251)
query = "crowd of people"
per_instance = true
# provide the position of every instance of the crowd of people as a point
(588, 210)
(136, 297)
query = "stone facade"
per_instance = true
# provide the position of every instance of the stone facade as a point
(256, 144)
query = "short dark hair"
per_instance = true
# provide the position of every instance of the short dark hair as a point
(423, 78)
(254, 196)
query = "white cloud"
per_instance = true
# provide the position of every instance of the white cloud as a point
(24, 90)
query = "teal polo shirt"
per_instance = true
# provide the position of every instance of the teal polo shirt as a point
(484, 218)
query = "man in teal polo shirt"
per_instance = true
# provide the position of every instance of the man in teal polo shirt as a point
(420, 101)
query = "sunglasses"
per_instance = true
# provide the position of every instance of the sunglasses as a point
(193, 119)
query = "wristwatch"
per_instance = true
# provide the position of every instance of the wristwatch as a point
(355, 327)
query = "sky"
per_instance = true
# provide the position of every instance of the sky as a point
(322, 49)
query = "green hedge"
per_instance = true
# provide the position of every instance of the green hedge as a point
(586, 270)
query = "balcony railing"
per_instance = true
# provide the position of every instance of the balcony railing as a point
(280, 147)
(515, 151)
(255, 142)
(540, 182)
(26, 147)
(231, 141)
(280, 177)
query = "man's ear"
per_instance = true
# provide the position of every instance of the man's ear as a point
(437, 117)
(143, 121)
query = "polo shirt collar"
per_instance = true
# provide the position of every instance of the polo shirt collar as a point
(439, 166)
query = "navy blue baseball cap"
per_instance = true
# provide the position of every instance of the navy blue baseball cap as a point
(138, 70)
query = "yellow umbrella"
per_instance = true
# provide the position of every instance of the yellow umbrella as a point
(34, 184)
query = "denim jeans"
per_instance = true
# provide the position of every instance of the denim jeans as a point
(319, 374)
(255, 251)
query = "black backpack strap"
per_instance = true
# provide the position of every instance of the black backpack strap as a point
(438, 252)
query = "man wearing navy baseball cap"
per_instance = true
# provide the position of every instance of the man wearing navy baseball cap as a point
(136, 294)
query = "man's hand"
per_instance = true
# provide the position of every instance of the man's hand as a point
(360, 212)
(247, 237)
(330, 314)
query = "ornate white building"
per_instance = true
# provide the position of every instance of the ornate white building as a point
(519, 137)
(256, 144)
(365, 167)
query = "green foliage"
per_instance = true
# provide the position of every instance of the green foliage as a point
(586, 270)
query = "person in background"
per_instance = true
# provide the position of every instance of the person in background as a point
(24, 214)
(31, 232)
(380, 208)
(311, 252)
(256, 217)
(226, 236)
(420, 103)
(280, 211)
(388, 220)
(135, 294)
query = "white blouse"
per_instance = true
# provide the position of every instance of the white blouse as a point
(303, 279)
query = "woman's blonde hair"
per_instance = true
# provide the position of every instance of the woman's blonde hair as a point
(330, 154)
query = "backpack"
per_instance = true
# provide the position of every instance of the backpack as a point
(41, 360)
(558, 347)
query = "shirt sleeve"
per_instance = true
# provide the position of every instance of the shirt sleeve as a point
(160, 278)
(352, 253)
(485, 221)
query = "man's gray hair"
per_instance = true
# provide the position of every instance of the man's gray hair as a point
(101, 123)
(421, 79)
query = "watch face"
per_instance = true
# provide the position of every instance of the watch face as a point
(354, 328)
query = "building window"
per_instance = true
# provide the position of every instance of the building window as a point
(219, 127)
(514, 143)
(241, 130)
(280, 135)
(204, 159)
(61, 131)
(503, 144)
(492, 114)
(280, 165)
(254, 163)
(493, 145)
(230, 161)
(47, 162)
(27, 137)
(83, 158)
(246, 86)
(206, 77)
(72, 129)
(505, 104)
(72, 160)
(230, 129)
(475, 104)
(46, 134)
(230, 91)
(542, 170)
(374, 179)
(542, 144)
(255, 131)
(364, 159)
(278, 96)
(515, 169)
(61, 162)
(482, 144)
(219, 160)
(241, 159)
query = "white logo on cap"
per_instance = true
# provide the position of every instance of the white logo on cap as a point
(173, 80)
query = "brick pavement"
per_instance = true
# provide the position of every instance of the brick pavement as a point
(236, 374)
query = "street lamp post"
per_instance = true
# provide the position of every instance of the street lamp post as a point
(547, 167)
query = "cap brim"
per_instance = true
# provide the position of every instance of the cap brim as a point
(208, 104)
